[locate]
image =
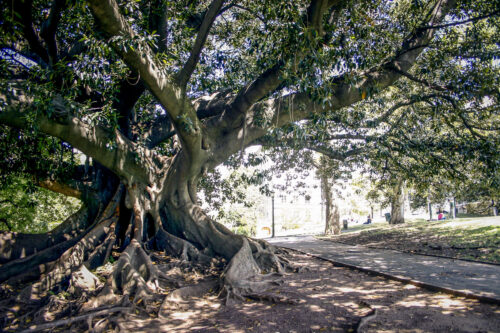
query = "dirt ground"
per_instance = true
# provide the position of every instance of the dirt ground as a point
(332, 299)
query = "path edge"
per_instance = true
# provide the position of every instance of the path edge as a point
(406, 252)
(417, 283)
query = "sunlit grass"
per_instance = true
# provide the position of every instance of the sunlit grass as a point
(462, 234)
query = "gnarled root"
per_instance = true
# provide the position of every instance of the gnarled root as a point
(134, 274)
(22, 253)
(14, 245)
(175, 246)
(73, 258)
(242, 278)
(88, 317)
(180, 296)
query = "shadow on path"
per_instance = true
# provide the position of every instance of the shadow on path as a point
(465, 278)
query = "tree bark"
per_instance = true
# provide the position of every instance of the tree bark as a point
(332, 217)
(397, 204)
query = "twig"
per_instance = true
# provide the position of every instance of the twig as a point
(54, 324)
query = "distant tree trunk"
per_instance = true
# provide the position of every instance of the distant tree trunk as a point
(455, 210)
(429, 208)
(332, 223)
(494, 208)
(332, 216)
(397, 205)
(272, 216)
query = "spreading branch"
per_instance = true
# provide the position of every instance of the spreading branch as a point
(24, 10)
(210, 16)
(49, 28)
(93, 141)
(61, 188)
(271, 79)
(298, 106)
(141, 58)
(472, 19)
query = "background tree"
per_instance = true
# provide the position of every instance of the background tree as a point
(327, 178)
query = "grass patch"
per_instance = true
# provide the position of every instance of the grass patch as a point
(465, 238)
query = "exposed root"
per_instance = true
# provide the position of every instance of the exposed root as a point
(68, 321)
(179, 296)
(102, 252)
(274, 298)
(30, 268)
(267, 260)
(83, 282)
(135, 276)
(242, 279)
(175, 246)
(14, 245)
(134, 273)
(73, 258)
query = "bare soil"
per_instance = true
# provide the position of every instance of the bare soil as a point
(332, 299)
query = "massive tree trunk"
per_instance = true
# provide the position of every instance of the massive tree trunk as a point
(397, 204)
(163, 214)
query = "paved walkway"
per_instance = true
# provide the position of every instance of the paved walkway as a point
(451, 275)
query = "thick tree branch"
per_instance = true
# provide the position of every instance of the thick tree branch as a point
(24, 9)
(158, 21)
(141, 58)
(59, 187)
(386, 74)
(210, 16)
(279, 111)
(271, 79)
(160, 129)
(241, 112)
(113, 150)
(131, 89)
(49, 28)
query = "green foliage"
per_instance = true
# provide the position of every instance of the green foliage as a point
(29, 209)
(239, 220)
(238, 203)
(31, 153)
(437, 128)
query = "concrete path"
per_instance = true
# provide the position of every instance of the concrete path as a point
(459, 277)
